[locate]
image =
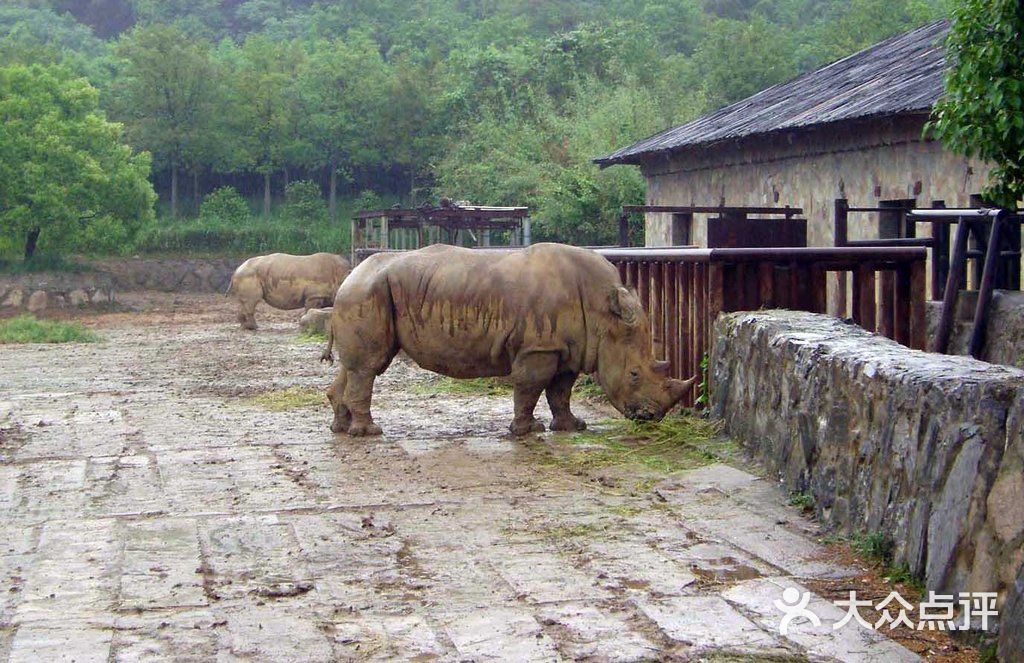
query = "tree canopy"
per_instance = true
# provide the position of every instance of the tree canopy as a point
(982, 113)
(497, 102)
(66, 176)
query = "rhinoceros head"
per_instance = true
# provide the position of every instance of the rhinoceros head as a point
(635, 383)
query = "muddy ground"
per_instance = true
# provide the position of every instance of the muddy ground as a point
(173, 492)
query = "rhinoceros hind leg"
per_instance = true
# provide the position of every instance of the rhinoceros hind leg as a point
(358, 392)
(530, 374)
(336, 396)
(558, 393)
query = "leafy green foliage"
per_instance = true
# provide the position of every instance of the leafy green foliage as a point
(304, 203)
(259, 236)
(66, 177)
(29, 329)
(982, 112)
(495, 102)
(225, 205)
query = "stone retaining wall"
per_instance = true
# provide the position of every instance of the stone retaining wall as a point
(38, 292)
(170, 274)
(925, 448)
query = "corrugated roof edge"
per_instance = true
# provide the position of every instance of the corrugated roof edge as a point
(924, 39)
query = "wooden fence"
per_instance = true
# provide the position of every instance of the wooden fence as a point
(684, 290)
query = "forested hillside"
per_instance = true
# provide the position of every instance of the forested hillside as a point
(378, 101)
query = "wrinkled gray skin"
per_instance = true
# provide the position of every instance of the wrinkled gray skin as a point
(286, 282)
(540, 315)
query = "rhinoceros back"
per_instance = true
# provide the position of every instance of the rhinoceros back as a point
(290, 281)
(467, 313)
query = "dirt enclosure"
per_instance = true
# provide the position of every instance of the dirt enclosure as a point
(173, 492)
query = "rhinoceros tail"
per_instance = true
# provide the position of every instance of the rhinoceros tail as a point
(328, 353)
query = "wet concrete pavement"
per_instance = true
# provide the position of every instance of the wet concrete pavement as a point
(151, 508)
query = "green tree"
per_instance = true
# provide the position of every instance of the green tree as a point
(266, 107)
(165, 95)
(738, 59)
(64, 169)
(343, 92)
(982, 112)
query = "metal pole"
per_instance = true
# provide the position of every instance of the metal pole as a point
(527, 234)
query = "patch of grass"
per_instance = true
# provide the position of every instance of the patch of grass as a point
(874, 545)
(291, 398)
(312, 336)
(879, 548)
(587, 387)
(29, 329)
(901, 575)
(464, 387)
(804, 501)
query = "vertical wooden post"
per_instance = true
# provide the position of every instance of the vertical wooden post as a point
(643, 285)
(940, 253)
(766, 284)
(624, 229)
(672, 318)
(687, 337)
(819, 292)
(901, 306)
(353, 236)
(918, 314)
(716, 292)
(886, 321)
(657, 310)
(841, 213)
(957, 268)
(864, 296)
(988, 281)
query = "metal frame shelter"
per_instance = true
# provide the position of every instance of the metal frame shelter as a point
(448, 223)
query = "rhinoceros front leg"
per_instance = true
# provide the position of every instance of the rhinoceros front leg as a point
(531, 373)
(247, 314)
(336, 395)
(558, 393)
(358, 393)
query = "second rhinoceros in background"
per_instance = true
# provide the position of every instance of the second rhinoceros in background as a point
(540, 315)
(286, 282)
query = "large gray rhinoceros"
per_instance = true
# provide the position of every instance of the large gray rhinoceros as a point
(541, 315)
(286, 282)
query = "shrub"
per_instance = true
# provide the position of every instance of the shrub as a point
(369, 199)
(304, 202)
(225, 205)
(29, 329)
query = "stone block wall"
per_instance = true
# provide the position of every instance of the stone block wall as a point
(170, 274)
(38, 292)
(926, 448)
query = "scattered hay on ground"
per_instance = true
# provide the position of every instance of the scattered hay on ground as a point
(29, 329)
(291, 398)
(674, 444)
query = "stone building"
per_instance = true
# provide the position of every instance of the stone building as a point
(851, 129)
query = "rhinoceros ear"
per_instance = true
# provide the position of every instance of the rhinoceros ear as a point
(624, 305)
